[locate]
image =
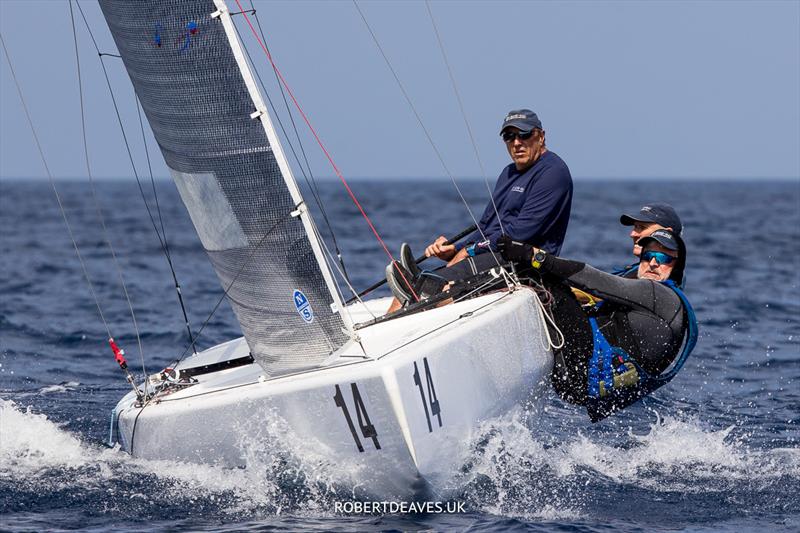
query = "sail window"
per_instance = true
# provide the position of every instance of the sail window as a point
(210, 210)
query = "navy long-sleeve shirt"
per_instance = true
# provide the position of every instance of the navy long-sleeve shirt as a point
(534, 205)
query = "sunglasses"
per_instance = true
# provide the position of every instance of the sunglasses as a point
(660, 257)
(511, 136)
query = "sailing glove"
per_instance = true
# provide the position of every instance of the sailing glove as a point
(517, 252)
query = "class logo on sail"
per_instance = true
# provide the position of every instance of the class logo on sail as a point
(302, 306)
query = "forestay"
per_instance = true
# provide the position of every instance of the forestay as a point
(197, 91)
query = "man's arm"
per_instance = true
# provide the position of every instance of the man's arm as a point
(634, 293)
(454, 253)
(549, 197)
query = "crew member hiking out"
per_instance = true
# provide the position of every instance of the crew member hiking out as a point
(619, 349)
(651, 217)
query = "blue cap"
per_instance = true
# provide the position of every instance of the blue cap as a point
(660, 213)
(664, 237)
(522, 119)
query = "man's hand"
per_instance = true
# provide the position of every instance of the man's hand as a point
(460, 256)
(514, 251)
(443, 251)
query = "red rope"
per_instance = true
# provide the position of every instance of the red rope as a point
(322, 146)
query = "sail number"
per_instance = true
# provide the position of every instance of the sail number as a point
(367, 429)
(435, 409)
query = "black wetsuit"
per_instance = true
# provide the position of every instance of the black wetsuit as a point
(645, 318)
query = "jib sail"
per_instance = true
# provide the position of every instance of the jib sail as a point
(198, 93)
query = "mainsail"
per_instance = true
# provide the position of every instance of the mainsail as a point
(199, 96)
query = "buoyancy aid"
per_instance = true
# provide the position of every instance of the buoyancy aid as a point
(615, 380)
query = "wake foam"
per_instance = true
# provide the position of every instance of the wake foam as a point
(30, 443)
(513, 473)
(680, 454)
(39, 460)
(517, 469)
(67, 386)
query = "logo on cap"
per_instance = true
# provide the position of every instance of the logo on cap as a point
(512, 117)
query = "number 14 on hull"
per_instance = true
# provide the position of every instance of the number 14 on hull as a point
(430, 404)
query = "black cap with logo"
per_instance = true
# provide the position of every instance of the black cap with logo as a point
(659, 213)
(522, 119)
(671, 241)
(663, 237)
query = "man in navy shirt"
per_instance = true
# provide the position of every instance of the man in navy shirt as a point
(531, 203)
(533, 196)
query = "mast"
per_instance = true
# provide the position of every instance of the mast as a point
(261, 113)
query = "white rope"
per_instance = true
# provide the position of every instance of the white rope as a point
(546, 317)
(496, 273)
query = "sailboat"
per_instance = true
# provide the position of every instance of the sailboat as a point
(393, 402)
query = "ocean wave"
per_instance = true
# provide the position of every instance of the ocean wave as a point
(67, 386)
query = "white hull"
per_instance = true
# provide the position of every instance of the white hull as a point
(478, 357)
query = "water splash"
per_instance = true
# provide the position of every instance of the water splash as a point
(30, 443)
(39, 461)
(517, 470)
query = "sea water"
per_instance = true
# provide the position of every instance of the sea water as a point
(715, 449)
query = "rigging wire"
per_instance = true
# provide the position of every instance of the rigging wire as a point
(313, 184)
(346, 280)
(94, 193)
(55, 190)
(325, 150)
(161, 222)
(421, 123)
(130, 157)
(464, 114)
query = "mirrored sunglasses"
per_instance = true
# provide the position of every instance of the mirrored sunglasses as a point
(660, 257)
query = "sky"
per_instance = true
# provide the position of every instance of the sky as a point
(624, 89)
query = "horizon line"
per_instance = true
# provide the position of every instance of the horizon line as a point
(443, 178)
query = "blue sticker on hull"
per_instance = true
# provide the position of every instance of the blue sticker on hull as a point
(302, 306)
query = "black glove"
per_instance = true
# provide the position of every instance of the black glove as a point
(517, 252)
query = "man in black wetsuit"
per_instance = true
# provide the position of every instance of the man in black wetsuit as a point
(615, 352)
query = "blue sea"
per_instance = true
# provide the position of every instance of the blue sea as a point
(715, 450)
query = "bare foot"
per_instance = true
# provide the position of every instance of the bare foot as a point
(395, 306)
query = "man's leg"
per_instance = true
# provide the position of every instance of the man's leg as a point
(471, 266)
(571, 365)
(434, 281)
